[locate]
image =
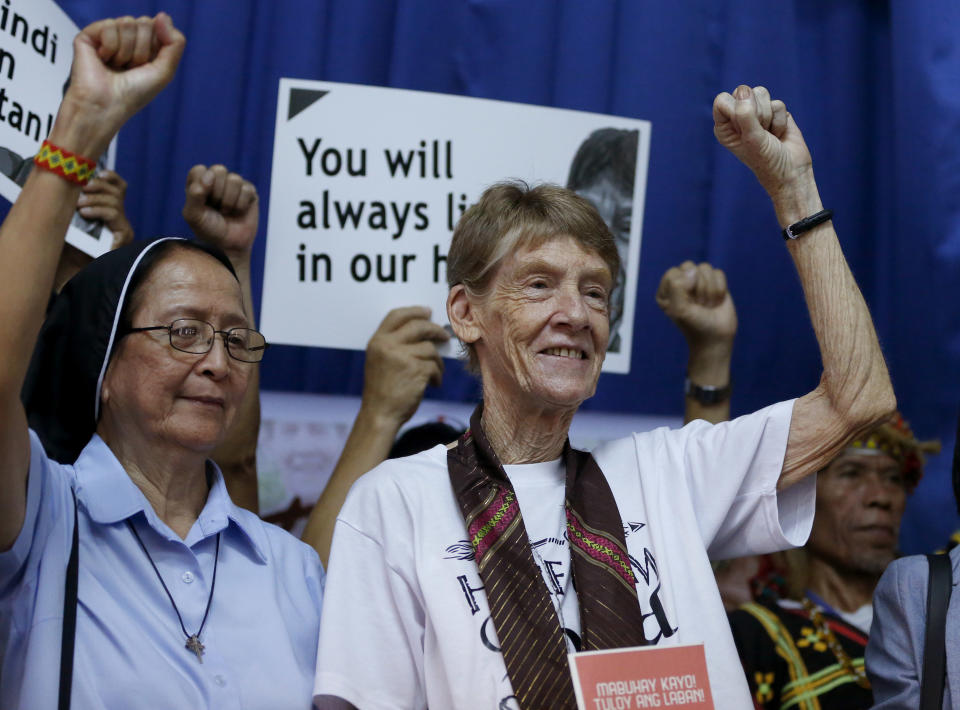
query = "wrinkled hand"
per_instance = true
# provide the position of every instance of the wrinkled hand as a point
(763, 135)
(222, 208)
(102, 199)
(695, 297)
(402, 359)
(119, 65)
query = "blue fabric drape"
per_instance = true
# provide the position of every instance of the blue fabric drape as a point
(873, 85)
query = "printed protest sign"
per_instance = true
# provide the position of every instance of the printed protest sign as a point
(36, 50)
(642, 677)
(368, 184)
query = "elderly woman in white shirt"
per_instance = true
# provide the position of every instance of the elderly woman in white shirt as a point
(461, 577)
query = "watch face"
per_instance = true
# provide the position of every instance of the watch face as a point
(710, 396)
(707, 394)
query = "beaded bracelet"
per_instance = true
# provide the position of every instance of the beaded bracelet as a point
(67, 165)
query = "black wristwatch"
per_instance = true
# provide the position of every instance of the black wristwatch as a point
(707, 394)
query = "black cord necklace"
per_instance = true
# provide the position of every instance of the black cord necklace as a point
(193, 640)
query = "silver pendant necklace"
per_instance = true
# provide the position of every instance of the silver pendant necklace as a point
(193, 640)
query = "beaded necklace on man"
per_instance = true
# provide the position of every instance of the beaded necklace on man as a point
(826, 633)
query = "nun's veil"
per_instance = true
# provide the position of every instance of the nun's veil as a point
(61, 393)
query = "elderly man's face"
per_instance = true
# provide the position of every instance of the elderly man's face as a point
(860, 500)
(545, 325)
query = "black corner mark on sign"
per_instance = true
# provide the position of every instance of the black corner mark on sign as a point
(302, 99)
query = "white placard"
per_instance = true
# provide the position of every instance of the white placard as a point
(368, 184)
(36, 51)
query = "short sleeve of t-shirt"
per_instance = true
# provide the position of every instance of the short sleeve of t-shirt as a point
(386, 674)
(728, 474)
(733, 469)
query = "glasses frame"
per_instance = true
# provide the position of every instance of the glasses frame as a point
(222, 333)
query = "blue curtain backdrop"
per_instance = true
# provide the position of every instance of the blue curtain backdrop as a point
(873, 84)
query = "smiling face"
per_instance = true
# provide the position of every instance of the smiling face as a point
(541, 331)
(155, 395)
(860, 501)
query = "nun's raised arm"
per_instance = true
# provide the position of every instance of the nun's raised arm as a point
(109, 84)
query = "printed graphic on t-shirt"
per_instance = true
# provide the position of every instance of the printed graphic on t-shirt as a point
(552, 555)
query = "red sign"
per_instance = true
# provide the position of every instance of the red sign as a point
(642, 677)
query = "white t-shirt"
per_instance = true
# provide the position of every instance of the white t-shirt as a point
(541, 492)
(405, 621)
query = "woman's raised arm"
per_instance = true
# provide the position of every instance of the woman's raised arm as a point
(118, 67)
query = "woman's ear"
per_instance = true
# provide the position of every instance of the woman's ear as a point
(463, 315)
(105, 388)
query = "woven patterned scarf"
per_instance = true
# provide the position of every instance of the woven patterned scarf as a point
(527, 624)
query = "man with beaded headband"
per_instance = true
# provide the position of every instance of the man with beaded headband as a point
(808, 650)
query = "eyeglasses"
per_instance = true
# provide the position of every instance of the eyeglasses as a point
(196, 336)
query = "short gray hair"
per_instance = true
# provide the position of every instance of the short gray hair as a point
(511, 215)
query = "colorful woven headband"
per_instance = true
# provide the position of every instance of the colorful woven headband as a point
(67, 165)
(895, 439)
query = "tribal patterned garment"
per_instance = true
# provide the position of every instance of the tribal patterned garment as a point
(790, 663)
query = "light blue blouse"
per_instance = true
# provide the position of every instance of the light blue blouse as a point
(261, 634)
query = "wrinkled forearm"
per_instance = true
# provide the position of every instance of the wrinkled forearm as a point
(42, 212)
(855, 392)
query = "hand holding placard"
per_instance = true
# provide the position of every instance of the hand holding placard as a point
(402, 359)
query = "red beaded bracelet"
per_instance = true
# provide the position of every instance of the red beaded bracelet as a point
(67, 165)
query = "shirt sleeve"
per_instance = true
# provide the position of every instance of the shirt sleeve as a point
(732, 470)
(372, 623)
(49, 511)
(894, 650)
